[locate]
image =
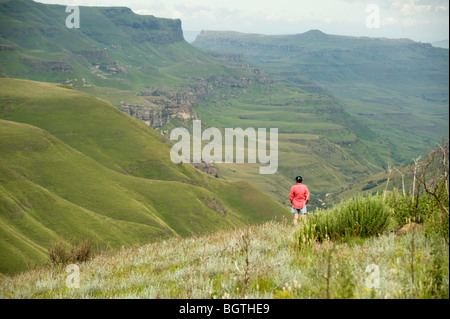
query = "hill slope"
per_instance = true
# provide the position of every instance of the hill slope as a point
(73, 166)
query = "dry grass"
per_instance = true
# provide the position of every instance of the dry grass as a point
(61, 255)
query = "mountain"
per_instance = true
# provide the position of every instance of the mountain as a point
(116, 54)
(73, 166)
(397, 87)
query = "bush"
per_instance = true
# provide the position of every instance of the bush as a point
(408, 209)
(59, 254)
(358, 217)
(422, 209)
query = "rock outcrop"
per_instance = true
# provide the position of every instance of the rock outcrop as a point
(410, 227)
(163, 105)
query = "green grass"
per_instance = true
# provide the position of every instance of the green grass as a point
(151, 51)
(153, 55)
(114, 160)
(331, 255)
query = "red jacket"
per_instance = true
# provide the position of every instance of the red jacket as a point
(299, 195)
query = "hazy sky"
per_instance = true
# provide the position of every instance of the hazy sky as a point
(419, 20)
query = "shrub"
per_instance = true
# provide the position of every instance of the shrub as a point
(408, 209)
(59, 254)
(422, 209)
(82, 252)
(357, 217)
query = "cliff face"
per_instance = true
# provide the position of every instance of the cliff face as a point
(143, 29)
(163, 105)
(117, 48)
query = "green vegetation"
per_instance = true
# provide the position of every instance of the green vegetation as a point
(320, 259)
(60, 255)
(73, 166)
(128, 59)
(315, 139)
(114, 54)
(363, 217)
(358, 217)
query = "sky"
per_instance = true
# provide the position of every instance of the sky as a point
(419, 20)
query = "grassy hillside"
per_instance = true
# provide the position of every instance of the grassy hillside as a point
(357, 249)
(73, 166)
(397, 87)
(258, 262)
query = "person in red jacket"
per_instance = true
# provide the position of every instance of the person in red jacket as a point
(299, 197)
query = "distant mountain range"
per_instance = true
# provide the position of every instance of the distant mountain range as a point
(398, 87)
(143, 66)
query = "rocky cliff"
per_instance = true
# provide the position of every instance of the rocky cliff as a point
(166, 103)
(143, 29)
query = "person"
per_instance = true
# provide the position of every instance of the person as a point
(299, 197)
